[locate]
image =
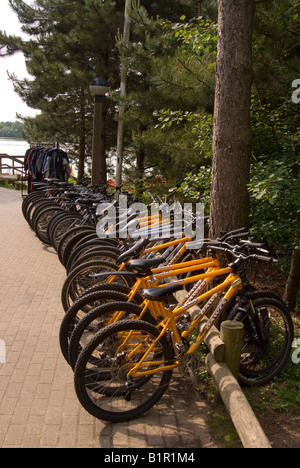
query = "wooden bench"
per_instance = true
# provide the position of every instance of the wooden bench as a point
(8, 178)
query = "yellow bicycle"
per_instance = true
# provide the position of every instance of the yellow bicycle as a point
(127, 367)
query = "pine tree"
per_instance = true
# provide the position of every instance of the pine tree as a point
(168, 82)
(69, 43)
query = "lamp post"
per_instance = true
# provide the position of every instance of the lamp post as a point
(98, 88)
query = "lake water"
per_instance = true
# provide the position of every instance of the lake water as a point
(13, 148)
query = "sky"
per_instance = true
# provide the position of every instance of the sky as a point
(10, 102)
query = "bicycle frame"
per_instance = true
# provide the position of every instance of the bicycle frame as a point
(156, 248)
(232, 284)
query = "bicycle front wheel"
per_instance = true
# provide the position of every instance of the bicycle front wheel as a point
(268, 337)
(103, 382)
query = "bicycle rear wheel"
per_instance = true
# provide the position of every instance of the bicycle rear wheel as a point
(102, 381)
(104, 254)
(91, 299)
(42, 220)
(68, 236)
(83, 277)
(100, 317)
(61, 224)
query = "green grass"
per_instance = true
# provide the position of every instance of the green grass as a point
(283, 393)
(7, 185)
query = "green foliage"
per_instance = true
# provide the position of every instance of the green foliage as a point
(195, 188)
(11, 130)
(170, 95)
(275, 178)
(68, 42)
(200, 36)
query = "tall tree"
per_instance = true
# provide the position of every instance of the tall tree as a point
(232, 135)
(168, 81)
(123, 91)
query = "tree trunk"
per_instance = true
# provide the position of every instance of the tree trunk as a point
(140, 170)
(81, 156)
(292, 287)
(123, 90)
(232, 134)
(82, 137)
(293, 281)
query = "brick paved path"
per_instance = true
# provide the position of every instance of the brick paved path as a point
(38, 405)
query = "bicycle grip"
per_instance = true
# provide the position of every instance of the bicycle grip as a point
(263, 258)
(252, 244)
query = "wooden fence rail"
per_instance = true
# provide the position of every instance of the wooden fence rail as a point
(13, 173)
(225, 353)
(16, 166)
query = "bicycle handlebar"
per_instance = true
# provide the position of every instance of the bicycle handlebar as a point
(234, 233)
(240, 256)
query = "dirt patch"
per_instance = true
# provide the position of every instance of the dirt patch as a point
(269, 278)
(282, 430)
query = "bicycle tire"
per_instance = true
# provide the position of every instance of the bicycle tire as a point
(41, 207)
(82, 246)
(84, 304)
(76, 241)
(41, 222)
(62, 225)
(138, 299)
(67, 236)
(268, 337)
(104, 254)
(80, 279)
(29, 199)
(43, 203)
(32, 198)
(55, 219)
(88, 328)
(77, 312)
(101, 390)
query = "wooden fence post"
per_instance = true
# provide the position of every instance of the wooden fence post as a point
(231, 334)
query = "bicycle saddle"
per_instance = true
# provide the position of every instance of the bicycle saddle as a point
(143, 266)
(162, 293)
(48, 179)
(133, 251)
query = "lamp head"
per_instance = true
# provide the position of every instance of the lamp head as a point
(99, 87)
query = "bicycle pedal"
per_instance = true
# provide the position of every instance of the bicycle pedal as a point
(200, 391)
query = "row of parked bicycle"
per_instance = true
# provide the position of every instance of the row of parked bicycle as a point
(123, 331)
